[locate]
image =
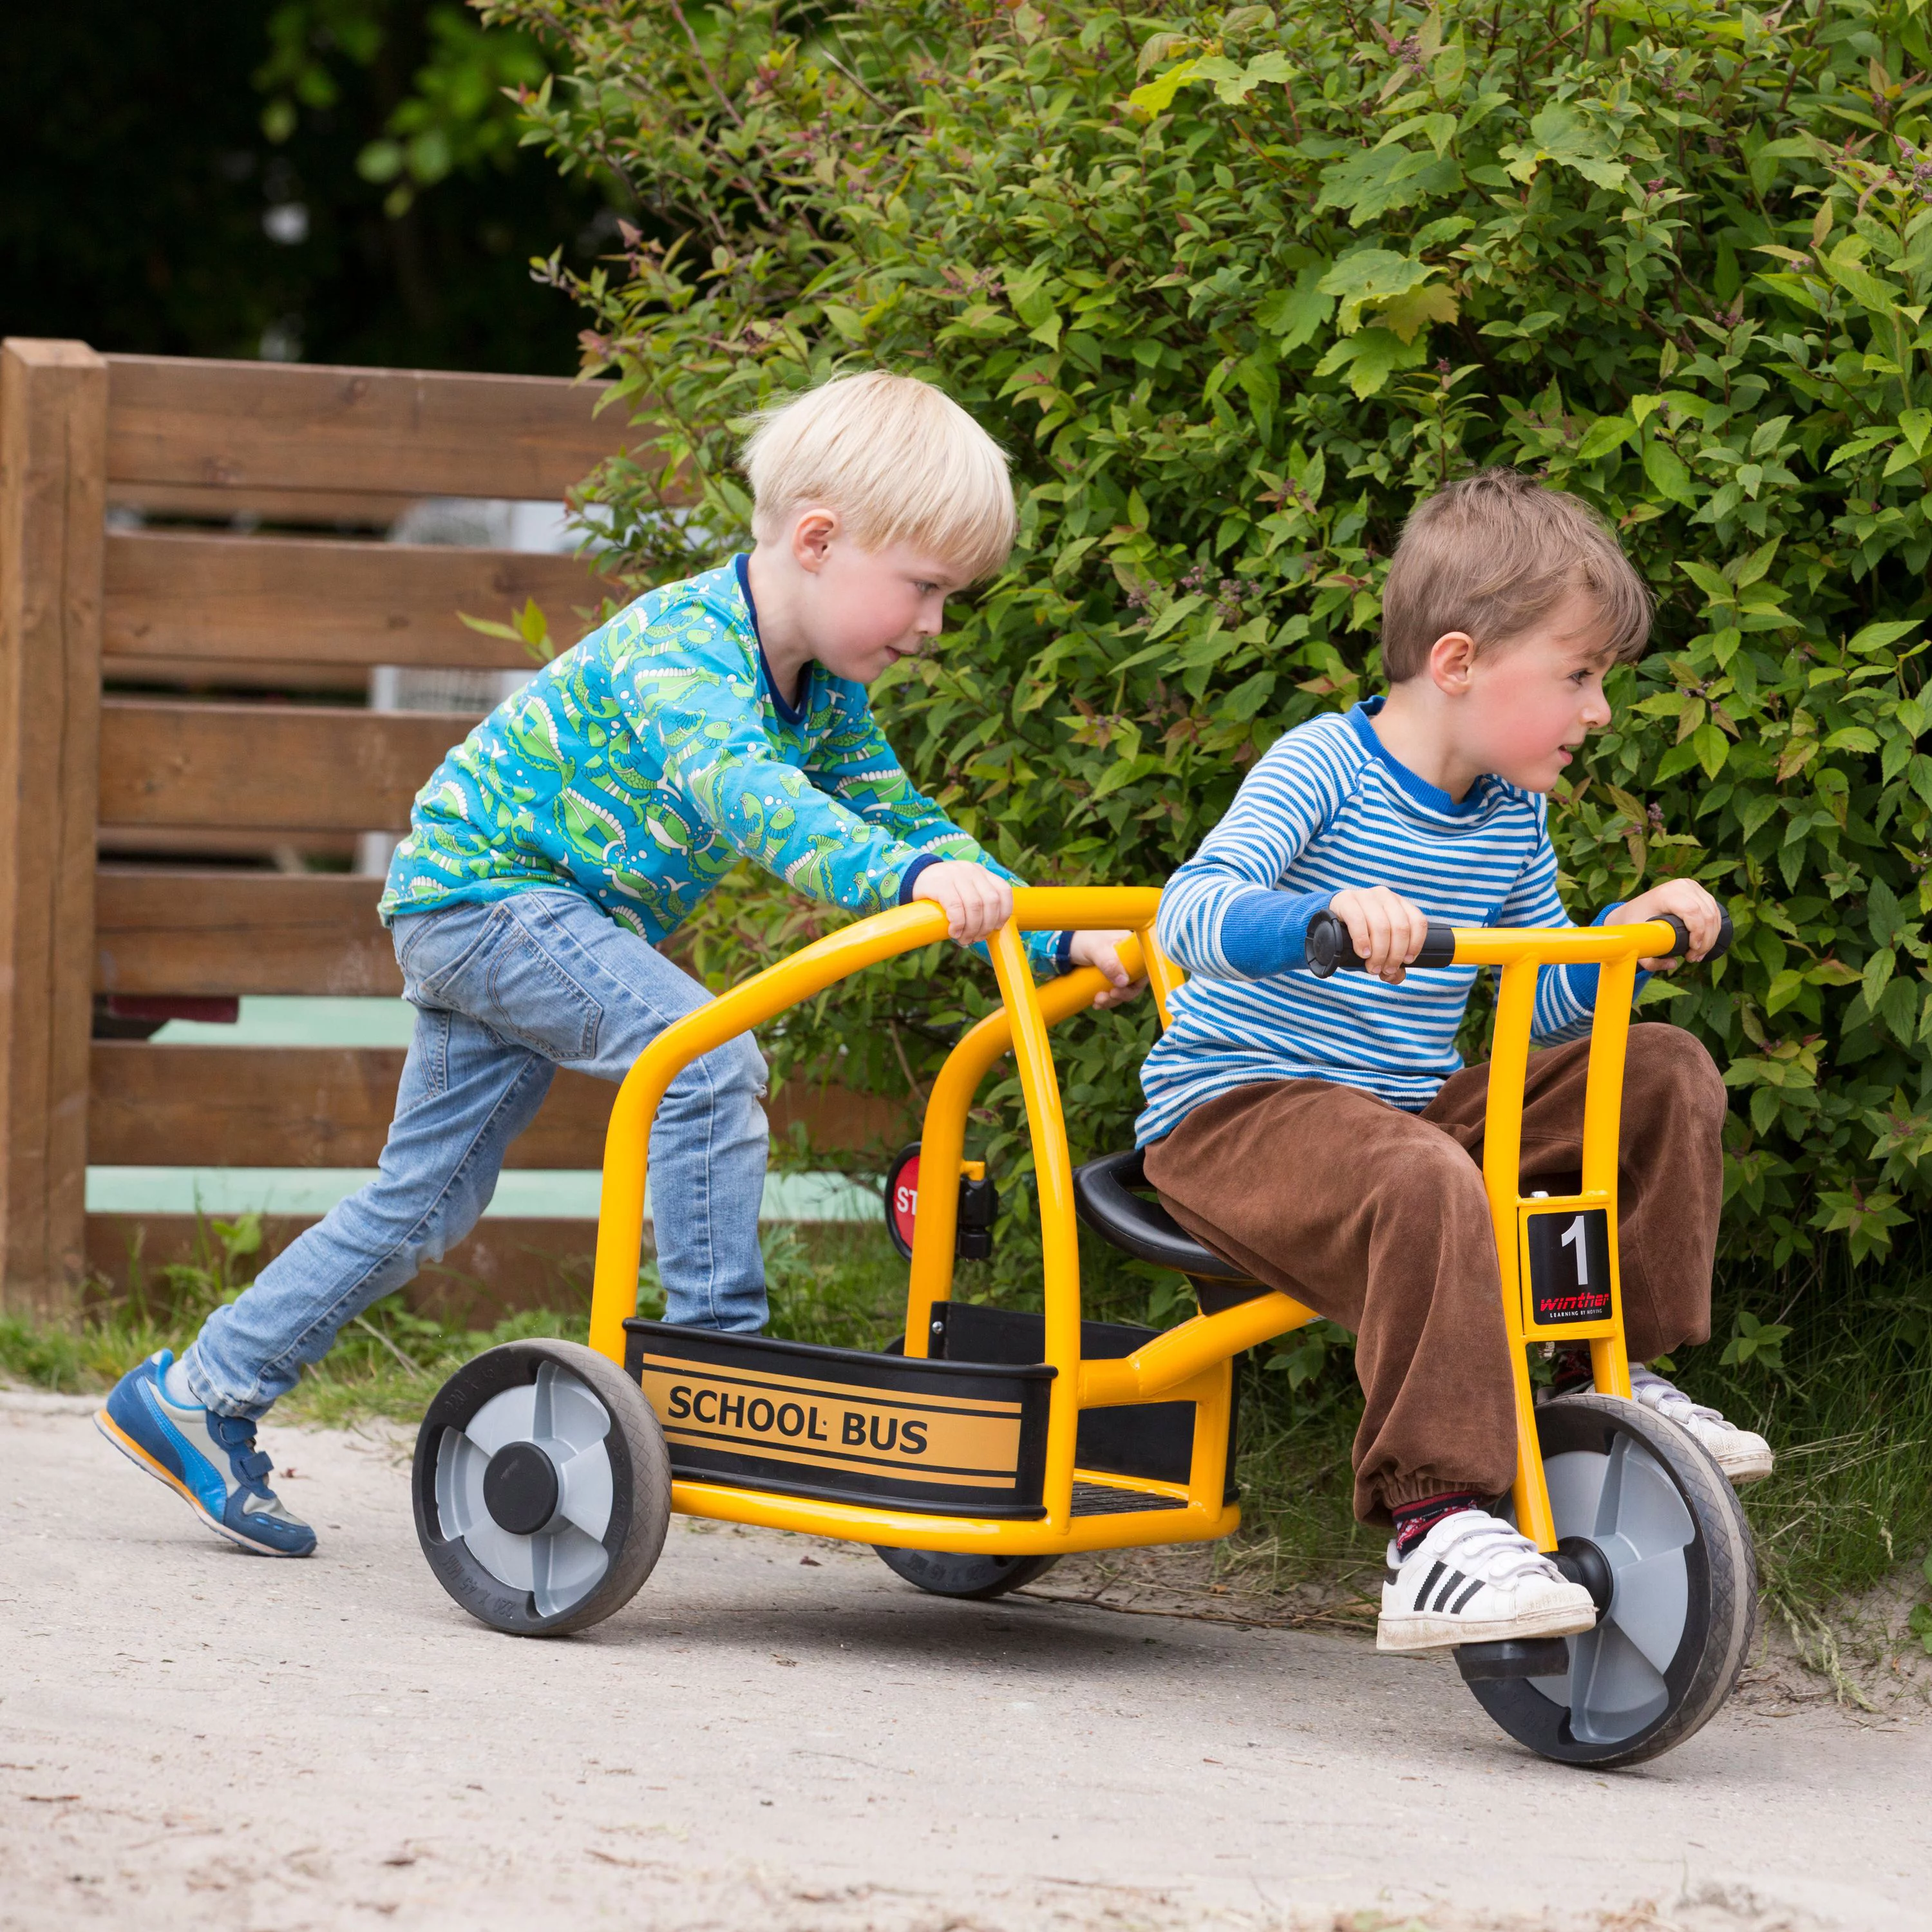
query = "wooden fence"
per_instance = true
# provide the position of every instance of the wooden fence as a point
(132, 741)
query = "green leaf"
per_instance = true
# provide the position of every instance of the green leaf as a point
(1605, 434)
(1233, 83)
(1294, 315)
(1369, 182)
(1371, 356)
(1879, 969)
(1868, 290)
(1157, 96)
(1714, 584)
(1176, 613)
(1245, 699)
(1875, 638)
(1668, 476)
(1559, 134)
(1370, 274)
(1920, 1621)
(849, 322)
(1408, 315)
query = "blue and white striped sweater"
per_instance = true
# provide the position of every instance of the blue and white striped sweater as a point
(1327, 808)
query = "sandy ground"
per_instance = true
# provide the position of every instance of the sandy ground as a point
(779, 1734)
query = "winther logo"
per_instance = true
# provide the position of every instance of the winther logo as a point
(1568, 1251)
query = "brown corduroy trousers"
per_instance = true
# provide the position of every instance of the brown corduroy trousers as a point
(1377, 1219)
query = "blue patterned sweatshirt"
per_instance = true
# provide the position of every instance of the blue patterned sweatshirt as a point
(1326, 807)
(640, 766)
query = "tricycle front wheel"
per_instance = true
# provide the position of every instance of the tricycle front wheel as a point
(1647, 1520)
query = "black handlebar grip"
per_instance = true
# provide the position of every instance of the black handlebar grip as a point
(1329, 950)
(1683, 932)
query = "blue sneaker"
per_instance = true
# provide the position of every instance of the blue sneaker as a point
(210, 1459)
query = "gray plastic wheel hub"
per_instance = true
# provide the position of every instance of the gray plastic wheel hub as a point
(538, 1455)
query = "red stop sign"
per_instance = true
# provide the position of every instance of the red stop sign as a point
(902, 1198)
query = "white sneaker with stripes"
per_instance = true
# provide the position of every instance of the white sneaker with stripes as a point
(1743, 1454)
(1473, 1580)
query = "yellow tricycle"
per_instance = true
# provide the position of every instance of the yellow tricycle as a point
(991, 1442)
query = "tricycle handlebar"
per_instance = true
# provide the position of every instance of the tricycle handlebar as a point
(1329, 950)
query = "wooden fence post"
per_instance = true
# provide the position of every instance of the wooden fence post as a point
(53, 459)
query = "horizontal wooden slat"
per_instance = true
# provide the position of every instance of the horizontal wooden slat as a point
(215, 933)
(171, 595)
(268, 767)
(293, 426)
(837, 1120)
(291, 1106)
(505, 1264)
(318, 1106)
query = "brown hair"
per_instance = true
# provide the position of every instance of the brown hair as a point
(1492, 554)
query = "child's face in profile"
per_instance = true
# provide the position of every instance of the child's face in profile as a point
(1533, 699)
(872, 608)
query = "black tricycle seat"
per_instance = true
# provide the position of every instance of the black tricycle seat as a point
(1114, 1198)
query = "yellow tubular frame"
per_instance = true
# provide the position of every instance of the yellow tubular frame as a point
(1191, 1363)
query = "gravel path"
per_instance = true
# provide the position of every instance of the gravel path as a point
(778, 1734)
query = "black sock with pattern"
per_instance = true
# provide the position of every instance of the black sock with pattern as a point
(1414, 1521)
(1571, 1370)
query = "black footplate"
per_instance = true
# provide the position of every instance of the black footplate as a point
(1524, 1656)
(1104, 1499)
(841, 1425)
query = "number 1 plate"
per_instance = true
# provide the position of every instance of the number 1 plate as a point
(1567, 1282)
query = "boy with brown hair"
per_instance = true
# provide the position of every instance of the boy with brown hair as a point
(1323, 1133)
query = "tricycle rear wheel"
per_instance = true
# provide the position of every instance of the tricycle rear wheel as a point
(1642, 1506)
(542, 1487)
(944, 1572)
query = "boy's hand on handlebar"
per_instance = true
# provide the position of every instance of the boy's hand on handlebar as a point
(976, 902)
(1689, 901)
(1102, 949)
(1385, 929)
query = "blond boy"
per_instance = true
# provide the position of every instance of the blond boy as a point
(720, 718)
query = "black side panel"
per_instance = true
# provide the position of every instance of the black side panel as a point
(844, 1425)
(1153, 1439)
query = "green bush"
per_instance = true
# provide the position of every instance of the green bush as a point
(1235, 288)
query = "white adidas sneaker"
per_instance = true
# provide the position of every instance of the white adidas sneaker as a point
(1473, 1580)
(1743, 1455)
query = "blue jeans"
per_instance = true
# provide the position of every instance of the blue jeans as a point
(504, 993)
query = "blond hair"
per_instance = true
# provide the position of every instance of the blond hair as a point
(1493, 554)
(899, 461)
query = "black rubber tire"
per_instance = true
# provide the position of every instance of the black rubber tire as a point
(640, 1487)
(1721, 1577)
(943, 1573)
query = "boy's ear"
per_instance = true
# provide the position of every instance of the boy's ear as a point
(812, 531)
(1451, 659)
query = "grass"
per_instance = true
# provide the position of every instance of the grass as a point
(390, 1361)
(1835, 1368)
